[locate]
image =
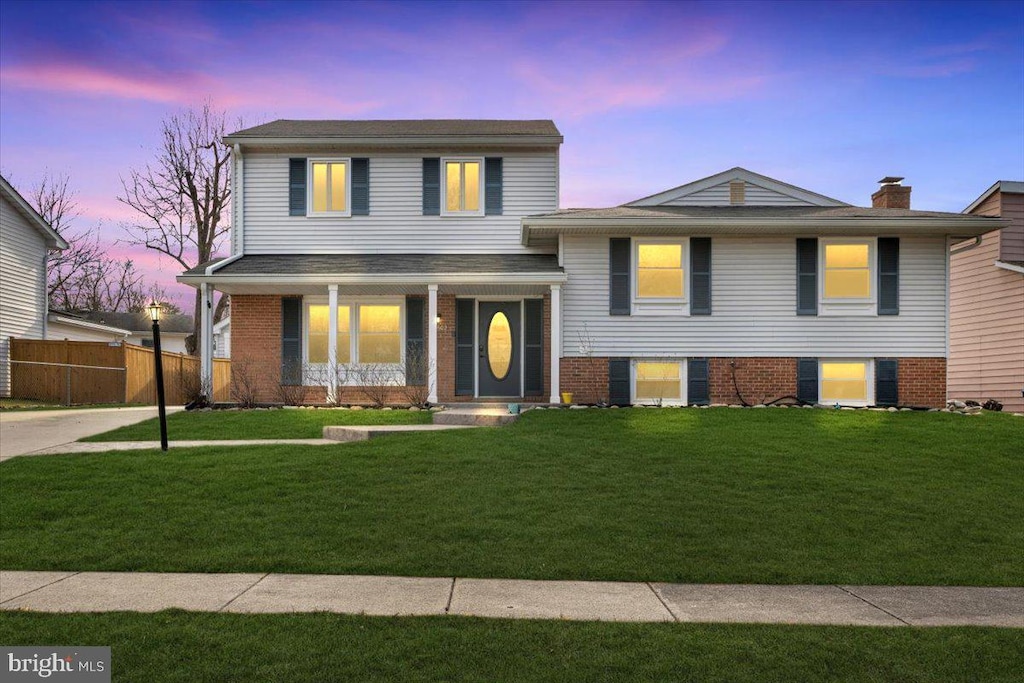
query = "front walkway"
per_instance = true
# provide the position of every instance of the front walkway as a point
(504, 598)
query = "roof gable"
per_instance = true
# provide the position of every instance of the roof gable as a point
(758, 190)
(50, 236)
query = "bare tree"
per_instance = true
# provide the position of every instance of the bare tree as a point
(82, 277)
(183, 195)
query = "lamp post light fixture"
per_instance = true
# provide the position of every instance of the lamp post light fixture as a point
(155, 309)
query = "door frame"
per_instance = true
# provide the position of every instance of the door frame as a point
(521, 342)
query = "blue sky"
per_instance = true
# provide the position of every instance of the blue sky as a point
(828, 96)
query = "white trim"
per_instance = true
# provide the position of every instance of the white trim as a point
(1009, 266)
(860, 306)
(647, 305)
(238, 198)
(390, 141)
(75, 322)
(332, 342)
(432, 343)
(347, 211)
(681, 401)
(869, 379)
(380, 278)
(1003, 186)
(481, 182)
(556, 344)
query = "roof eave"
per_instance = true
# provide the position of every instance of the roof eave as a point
(380, 278)
(399, 140)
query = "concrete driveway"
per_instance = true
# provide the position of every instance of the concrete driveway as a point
(23, 432)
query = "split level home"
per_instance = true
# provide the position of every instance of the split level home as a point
(435, 252)
(25, 241)
(986, 333)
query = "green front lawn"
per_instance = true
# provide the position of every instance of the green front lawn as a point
(731, 496)
(183, 646)
(276, 423)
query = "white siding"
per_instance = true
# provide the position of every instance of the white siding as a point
(754, 195)
(754, 307)
(395, 223)
(58, 330)
(22, 290)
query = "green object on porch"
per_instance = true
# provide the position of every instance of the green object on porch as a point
(513, 408)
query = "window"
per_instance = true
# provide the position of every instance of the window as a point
(330, 187)
(380, 334)
(845, 382)
(462, 186)
(847, 267)
(658, 381)
(660, 272)
(318, 329)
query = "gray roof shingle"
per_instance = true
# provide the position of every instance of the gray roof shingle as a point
(398, 264)
(397, 128)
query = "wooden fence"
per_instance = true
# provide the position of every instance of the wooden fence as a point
(73, 372)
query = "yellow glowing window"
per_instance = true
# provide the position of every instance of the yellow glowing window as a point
(657, 381)
(330, 186)
(847, 271)
(660, 271)
(380, 335)
(462, 186)
(319, 324)
(844, 382)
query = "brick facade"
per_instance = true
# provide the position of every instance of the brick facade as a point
(922, 381)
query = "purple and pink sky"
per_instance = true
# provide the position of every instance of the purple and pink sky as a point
(827, 96)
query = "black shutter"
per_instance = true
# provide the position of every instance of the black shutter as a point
(296, 187)
(291, 340)
(807, 380)
(888, 276)
(618, 381)
(533, 356)
(415, 348)
(887, 382)
(700, 276)
(697, 382)
(465, 353)
(807, 276)
(618, 284)
(493, 192)
(431, 187)
(360, 187)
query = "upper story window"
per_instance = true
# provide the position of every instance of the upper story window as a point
(659, 282)
(847, 270)
(463, 189)
(330, 187)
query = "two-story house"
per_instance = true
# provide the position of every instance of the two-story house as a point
(435, 253)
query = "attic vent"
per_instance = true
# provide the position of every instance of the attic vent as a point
(737, 192)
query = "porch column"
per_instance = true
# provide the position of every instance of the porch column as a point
(206, 341)
(432, 343)
(556, 341)
(332, 343)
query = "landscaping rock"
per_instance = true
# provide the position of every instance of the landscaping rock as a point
(956, 404)
(760, 405)
(892, 409)
(717, 405)
(357, 408)
(436, 409)
(386, 408)
(414, 409)
(577, 407)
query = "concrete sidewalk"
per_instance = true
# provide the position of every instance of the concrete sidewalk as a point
(503, 598)
(103, 446)
(27, 432)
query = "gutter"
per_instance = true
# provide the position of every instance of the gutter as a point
(380, 278)
(975, 243)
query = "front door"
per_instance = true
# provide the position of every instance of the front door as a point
(499, 357)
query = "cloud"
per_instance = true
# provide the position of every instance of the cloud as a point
(80, 79)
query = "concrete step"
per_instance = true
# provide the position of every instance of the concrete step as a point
(364, 433)
(491, 417)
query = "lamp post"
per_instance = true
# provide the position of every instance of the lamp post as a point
(154, 314)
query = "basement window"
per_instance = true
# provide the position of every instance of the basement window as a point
(845, 382)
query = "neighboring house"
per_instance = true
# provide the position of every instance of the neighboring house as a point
(986, 339)
(369, 245)
(72, 327)
(222, 338)
(174, 327)
(25, 241)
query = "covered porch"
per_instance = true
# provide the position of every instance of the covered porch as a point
(400, 328)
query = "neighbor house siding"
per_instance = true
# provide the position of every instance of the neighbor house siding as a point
(754, 308)
(986, 339)
(22, 285)
(396, 223)
(1012, 237)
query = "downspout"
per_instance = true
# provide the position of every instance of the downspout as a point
(46, 292)
(977, 243)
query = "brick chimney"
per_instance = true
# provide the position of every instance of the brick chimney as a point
(892, 194)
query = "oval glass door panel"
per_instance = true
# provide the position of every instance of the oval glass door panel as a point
(499, 345)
